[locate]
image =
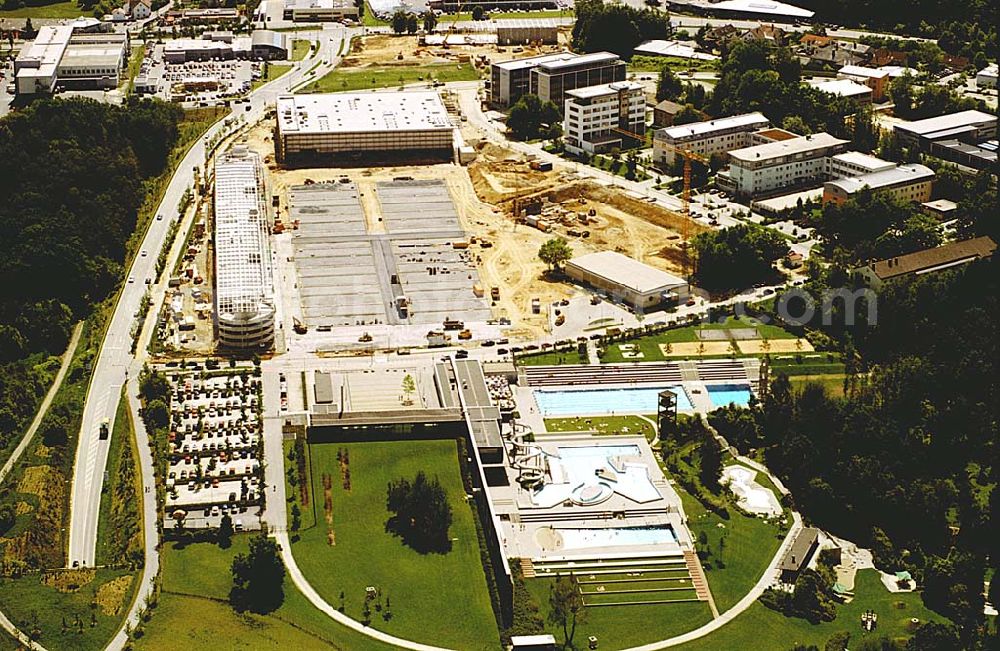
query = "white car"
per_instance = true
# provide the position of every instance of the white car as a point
(131, 279)
(143, 253)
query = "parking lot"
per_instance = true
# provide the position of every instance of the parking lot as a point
(202, 83)
(214, 443)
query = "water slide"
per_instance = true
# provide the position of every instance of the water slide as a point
(527, 459)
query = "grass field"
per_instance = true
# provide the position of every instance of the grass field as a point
(608, 425)
(388, 77)
(762, 629)
(618, 627)
(67, 9)
(808, 364)
(552, 359)
(364, 554)
(832, 382)
(300, 48)
(119, 526)
(193, 611)
(87, 597)
(642, 63)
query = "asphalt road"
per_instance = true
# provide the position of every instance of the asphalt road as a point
(112, 366)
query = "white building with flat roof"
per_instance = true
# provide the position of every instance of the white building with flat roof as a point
(706, 138)
(355, 124)
(761, 9)
(855, 163)
(244, 283)
(596, 115)
(60, 55)
(319, 10)
(550, 80)
(626, 279)
(846, 88)
(782, 164)
(987, 77)
(906, 182)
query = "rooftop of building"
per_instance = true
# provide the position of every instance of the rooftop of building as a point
(695, 129)
(531, 62)
(936, 258)
(863, 71)
(318, 4)
(595, 58)
(626, 272)
(191, 44)
(359, 112)
(590, 92)
(798, 554)
(843, 87)
(770, 7)
(903, 174)
(943, 123)
(673, 48)
(862, 160)
(97, 56)
(940, 205)
(268, 37)
(800, 145)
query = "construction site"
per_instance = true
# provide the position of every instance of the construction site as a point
(415, 51)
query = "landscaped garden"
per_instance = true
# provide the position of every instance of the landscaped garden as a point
(193, 609)
(605, 425)
(343, 546)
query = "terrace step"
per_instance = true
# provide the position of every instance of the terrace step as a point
(527, 568)
(697, 575)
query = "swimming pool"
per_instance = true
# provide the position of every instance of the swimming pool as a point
(615, 536)
(579, 402)
(724, 394)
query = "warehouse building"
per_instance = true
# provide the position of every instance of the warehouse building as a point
(182, 50)
(706, 138)
(906, 183)
(551, 79)
(244, 286)
(967, 138)
(514, 31)
(60, 56)
(627, 280)
(595, 116)
(350, 126)
(757, 170)
(267, 45)
(319, 10)
(770, 10)
(509, 80)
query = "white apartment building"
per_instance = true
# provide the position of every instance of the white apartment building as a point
(854, 163)
(756, 170)
(593, 114)
(706, 138)
(244, 284)
(906, 183)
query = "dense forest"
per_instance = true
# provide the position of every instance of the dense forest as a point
(616, 28)
(72, 174)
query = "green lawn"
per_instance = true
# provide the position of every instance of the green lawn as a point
(389, 76)
(618, 627)
(58, 612)
(274, 70)
(762, 629)
(808, 364)
(552, 359)
(134, 65)
(193, 613)
(643, 63)
(364, 554)
(370, 20)
(608, 425)
(832, 382)
(301, 48)
(119, 525)
(650, 345)
(67, 9)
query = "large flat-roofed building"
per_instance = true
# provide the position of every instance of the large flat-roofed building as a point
(520, 31)
(906, 182)
(967, 138)
(987, 77)
(596, 115)
(181, 50)
(860, 93)
(59, 56)
(855, 163)
(319, 10)
(706, 138)
(244, 284)
(939, 258)
(509, 80)
(628, 280)
(875, 78)
(356, 124)
(753, 9)
(757, 170)
(268, 45)
(551, 79)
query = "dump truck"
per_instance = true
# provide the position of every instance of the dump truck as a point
(495, 293)
(465, 334)
(453, 324)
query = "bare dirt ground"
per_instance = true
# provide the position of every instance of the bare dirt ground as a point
(381, 50)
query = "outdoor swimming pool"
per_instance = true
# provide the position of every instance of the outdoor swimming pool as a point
(615, 536)
(581, 402)
(724, 394)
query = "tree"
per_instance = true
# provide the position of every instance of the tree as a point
(421, 514)
(711, 461)
(616, 28)
(296, 517)
(737, 257)
(409, 387)
(687, 115)
(430, 21)
(529, 115)
(258, 577)
(555, 252)
(225, 533)
(412, 24)
(399, 20)
(7, 517)
(932, 636)
(566, 607)
(668, 86)
(478, 12)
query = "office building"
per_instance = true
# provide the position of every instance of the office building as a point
(626, 279)
(509, 80)
(244, 285)
(967, 138)
(551, 79)
(60, 56)
(319, 10)
(595, 116)
(795, 162)
(906, 183)
(854, 163)
(706, 138)
(352, 125)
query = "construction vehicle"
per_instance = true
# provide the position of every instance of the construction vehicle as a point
(495, 293)
(561, 319)
(453, 324)
(365, 338)
(688, 156)
(465, 334)
(105, 428)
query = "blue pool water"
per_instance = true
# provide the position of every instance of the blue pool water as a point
(578, 402)
(724, 394)
(583, 538)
